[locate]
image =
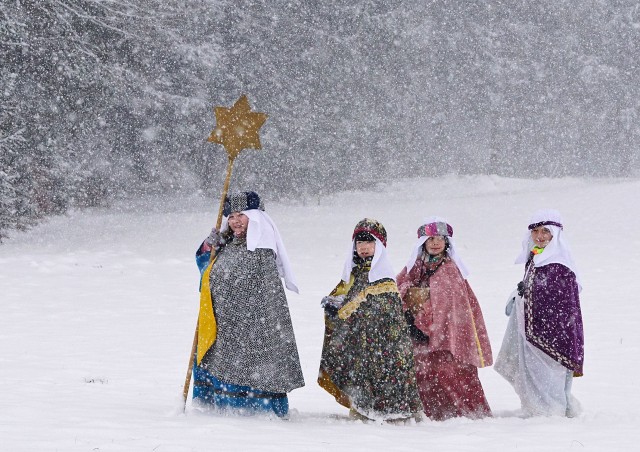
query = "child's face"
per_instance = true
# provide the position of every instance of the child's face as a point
(238, 222)
(435, 245)
(365, 249)
(541, 236)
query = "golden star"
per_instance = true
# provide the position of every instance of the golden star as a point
(237, 127)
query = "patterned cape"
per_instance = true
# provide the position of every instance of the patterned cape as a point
(367, 359)
(553, 319)
(254, 340)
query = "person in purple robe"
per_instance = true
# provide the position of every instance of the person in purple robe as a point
(543, 347)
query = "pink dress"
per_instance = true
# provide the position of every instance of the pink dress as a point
(447, 368)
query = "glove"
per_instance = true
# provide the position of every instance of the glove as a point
(331, 300)
(214, 238)
(509, 307)
(511, 301)
(521, 288)
(418, 335)
(331, 310)
(332, 304)
(414, 331)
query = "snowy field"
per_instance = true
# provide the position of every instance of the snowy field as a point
(99, 309)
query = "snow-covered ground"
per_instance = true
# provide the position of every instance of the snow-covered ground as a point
(98, 310)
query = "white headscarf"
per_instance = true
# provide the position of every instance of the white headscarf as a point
(453, 254)
(263, 233)
(380, 265)
(557, 251)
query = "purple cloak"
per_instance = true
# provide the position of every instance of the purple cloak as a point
(553, 320)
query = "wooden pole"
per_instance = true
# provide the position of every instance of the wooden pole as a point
(194, 346)
(187, 380)
(225, 190)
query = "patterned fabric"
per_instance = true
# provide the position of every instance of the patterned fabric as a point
(255, 344)
(447, 368)
(553, 319)
(367, 361)
(435, 228)
(203, 391)
(372, 227)
(239, 202)
(352, 305)
(208, 391)
(248, 400)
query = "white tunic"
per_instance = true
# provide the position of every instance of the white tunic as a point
(543, 384)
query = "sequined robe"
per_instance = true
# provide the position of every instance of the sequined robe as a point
(255, 346)
(367, 361)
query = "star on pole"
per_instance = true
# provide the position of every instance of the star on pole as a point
(237, 127)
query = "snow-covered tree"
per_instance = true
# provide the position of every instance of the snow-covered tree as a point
(108, 98)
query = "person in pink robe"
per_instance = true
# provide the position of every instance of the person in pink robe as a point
(449, 335)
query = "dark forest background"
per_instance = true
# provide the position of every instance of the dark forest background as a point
(107, 99)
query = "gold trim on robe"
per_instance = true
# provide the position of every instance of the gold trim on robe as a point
(350, 307)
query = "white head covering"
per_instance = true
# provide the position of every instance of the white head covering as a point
(557, 251)
(453, 254)
(263, 233)
(380, 265)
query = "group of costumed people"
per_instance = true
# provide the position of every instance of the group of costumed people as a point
(397, 347)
